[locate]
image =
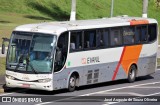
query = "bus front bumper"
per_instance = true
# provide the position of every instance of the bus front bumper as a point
(29, 85)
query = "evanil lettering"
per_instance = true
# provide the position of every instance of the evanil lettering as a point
(92, 60)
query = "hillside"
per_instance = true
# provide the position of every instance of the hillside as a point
(17, 12)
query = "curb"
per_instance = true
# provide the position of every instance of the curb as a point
(1, 90)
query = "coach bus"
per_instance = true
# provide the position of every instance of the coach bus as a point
(68, 54)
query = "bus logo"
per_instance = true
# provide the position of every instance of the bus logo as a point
(90, 60)
(84, 61)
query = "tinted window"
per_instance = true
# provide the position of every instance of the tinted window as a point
(141, 34)
(102, 38)
(116, 37)
(90, 39)
(128, 35)
(152, 32)
(144, 34)
(76, 41)
(137, 34)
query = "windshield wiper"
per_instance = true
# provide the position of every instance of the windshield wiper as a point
(32, 68)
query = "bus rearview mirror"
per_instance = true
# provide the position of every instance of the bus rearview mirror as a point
(3, 49)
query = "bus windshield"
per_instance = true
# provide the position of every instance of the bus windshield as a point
(31, 52)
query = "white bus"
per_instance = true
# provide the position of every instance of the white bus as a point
(58, 55)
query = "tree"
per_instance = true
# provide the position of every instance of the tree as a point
(157, 3)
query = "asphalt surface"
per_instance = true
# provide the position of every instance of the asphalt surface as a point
(144, 86)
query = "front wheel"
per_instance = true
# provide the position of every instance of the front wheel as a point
(72, 83)
(132, 74)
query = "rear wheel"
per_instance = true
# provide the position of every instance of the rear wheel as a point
(132, 74)
(72, 83)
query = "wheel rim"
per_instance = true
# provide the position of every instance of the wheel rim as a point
(72, 82)
(132, 74)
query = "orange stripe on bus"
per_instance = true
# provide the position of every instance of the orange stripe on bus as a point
(138, 22)
(130, 55)
(117, 68)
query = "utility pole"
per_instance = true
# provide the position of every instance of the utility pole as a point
(73, 11)
(112, 6)
(145, 8)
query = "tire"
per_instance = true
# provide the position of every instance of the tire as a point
(132, 74)
(3, 48)
(72, 83)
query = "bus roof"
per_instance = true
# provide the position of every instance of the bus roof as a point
(59, 27)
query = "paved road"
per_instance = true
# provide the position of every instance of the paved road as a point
(144, 86)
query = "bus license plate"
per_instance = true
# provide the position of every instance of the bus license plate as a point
(26, 85)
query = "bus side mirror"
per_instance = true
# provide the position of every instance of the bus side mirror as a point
(3, 48)
(58, 56)
(3, 45)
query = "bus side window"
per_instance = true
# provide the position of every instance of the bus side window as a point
(115, 36)
(144, 36)
(102, 38)
(141, 34)
(137, 34)
(90, 39)
(106, 37)
(63, 47)
(152, 32)
(76, 41)
(128, 35)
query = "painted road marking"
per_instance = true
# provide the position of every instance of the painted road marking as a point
(120, 88)
(130, 93)
(6, 94)
(102, 92)
(153, 94)
(110, 103)
(147, 87)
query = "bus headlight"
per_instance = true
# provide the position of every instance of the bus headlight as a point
(44, 80)
(10, 77)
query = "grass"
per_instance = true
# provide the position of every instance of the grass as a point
(158, 61)
(2, 65)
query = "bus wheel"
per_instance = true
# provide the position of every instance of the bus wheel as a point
(132, 74)
(72, 83)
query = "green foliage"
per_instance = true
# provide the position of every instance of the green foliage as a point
(2, 66)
